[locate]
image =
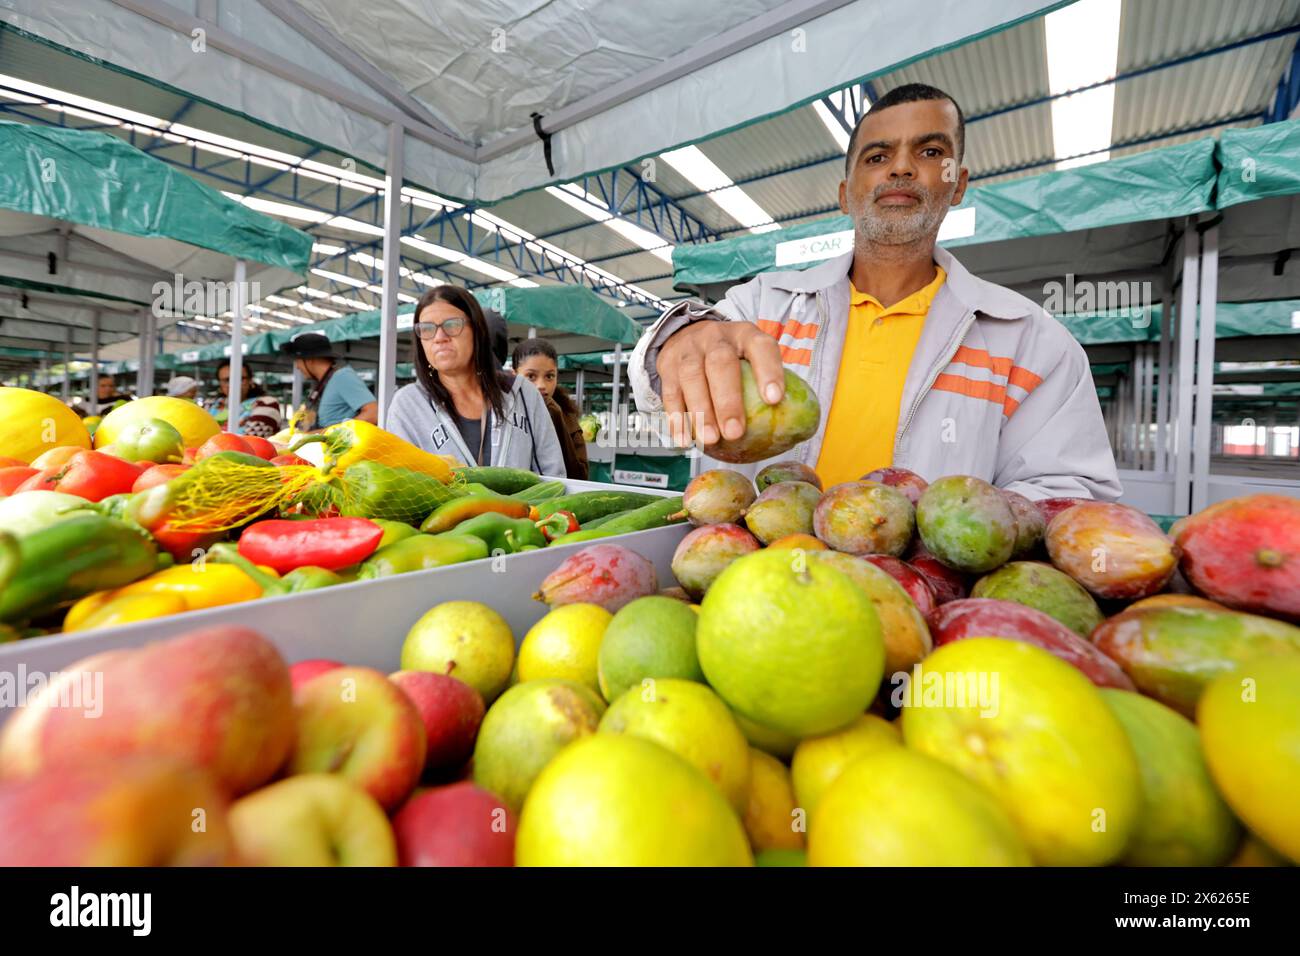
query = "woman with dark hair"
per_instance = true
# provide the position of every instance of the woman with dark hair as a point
(461, 403)
(535, 360)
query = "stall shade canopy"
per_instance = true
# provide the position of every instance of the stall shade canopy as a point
(1154, 185)
(571, 317)
(465, 79)
(1259, 193)
(92, 229)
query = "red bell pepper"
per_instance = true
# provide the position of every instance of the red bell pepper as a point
(557, 523)
(91, 474)
(330, 543)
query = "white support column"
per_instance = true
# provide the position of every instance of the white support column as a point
(295, 396)
(236, 398)
(1187, 293)
(1162, 394)
(613, 405)
(1204, 408)
(579, 387)
(94, 363)
(1148, 387)
(143, 380)
(386, 374)
(67, 360)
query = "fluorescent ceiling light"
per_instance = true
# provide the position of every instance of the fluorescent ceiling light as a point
(280, 300)
(833, 125)
(522, 283)
(1082, 48)
(309, 291)
(326, 249)
(705, 175)
(403, 297)
(317, 310)
(282, 209)
(351, 303)
(594, 208)
(340, 277)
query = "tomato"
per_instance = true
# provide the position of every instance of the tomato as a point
(181, 545)
(289, 459)
(261, 447)
(92, 475)
(56, 457)
(148, 440)
(158, 475)
(223, 441)
(190, 457)
(11, 476)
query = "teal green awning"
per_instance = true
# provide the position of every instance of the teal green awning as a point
(99, 181)
(1258, 163)
(1156, 184)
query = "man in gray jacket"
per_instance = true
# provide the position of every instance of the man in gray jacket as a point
(957, 376)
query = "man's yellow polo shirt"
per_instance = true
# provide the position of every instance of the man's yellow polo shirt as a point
(878, 347)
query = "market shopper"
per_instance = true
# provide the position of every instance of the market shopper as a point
(107, 396)
(337, 392)
(183, 386)
(259, 412)
(536, 360)
(461, 403)
(916, 363)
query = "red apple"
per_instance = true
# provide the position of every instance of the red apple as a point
(314, 819)
(218, 698)
(917, 588)
(303, 671)
(355, 722)
(130, 811)
(989, 617)
(456, 825)
(451, 711)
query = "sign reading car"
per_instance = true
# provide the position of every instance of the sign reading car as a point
(958, 224)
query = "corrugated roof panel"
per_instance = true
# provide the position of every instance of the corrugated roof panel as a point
(1153, 31)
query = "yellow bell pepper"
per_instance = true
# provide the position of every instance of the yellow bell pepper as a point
(183, 587)
(352, 441)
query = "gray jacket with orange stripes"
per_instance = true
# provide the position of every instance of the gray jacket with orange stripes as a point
(997, 388)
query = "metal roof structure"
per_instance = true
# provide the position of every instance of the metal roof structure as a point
(1183, 68)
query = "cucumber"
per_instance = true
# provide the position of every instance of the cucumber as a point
(605, 519)
(504, 481)
(657, 514)
(541, 492)
(585, 505)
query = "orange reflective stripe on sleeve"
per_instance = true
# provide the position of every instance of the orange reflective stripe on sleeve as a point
(1024, 378)
(989, 391)
(796, 356)
(978, 358)
(771, 328)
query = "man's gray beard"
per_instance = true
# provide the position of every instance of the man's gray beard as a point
(891, 229)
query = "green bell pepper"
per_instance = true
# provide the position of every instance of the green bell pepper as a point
(502, 535)
(372, 490)
(309, 578)
(70, 559)
(393, 531)
(420, 552)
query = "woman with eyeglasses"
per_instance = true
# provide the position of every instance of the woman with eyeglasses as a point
(461, 403)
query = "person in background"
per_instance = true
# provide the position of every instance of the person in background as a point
(462, 404)
(107, 396)
(338, 392)
(182, 386)
(535, 360)
(259, 413)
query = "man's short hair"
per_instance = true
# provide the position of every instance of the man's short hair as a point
(909, 93)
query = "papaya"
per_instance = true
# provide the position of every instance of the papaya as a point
(1113, 550)
(1172, 653)
(1041, 586)
(1245, 553)
(1183, 820)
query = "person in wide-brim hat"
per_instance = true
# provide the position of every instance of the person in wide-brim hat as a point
(337, 392)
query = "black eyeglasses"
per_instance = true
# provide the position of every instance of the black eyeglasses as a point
(429, 330)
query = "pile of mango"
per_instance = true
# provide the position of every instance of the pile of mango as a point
(1145, 615)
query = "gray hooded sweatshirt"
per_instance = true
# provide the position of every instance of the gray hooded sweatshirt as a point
(523, 438)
